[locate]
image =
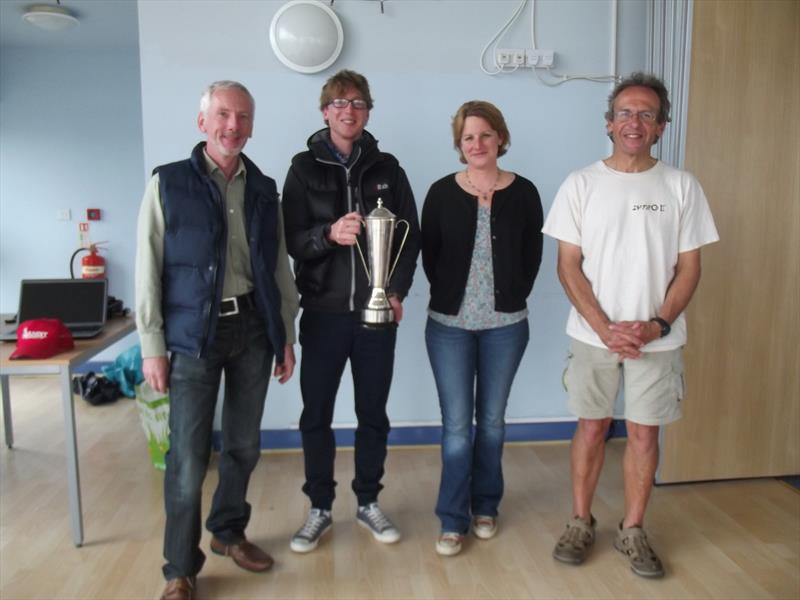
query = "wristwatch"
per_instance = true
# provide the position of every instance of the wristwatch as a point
(665, 327)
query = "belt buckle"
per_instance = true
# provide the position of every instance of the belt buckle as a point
(235, 310)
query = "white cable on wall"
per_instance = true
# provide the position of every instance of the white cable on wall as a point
(559, 78)
(496, 39)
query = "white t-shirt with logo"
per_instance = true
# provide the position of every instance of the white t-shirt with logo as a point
(631, 228)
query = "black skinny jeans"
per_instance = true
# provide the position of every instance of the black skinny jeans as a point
(328, 340)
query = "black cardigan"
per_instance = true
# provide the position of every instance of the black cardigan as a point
(449, 220)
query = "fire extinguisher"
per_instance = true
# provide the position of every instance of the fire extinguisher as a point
(93, 265)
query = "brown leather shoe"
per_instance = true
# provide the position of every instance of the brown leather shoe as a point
(180, 588)
(248, 556)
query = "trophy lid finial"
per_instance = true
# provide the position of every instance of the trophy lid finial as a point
(380, 212)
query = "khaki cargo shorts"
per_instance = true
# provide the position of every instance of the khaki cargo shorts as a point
(653, 384)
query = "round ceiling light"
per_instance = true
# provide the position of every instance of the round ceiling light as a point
(306, 36)
(51, 18)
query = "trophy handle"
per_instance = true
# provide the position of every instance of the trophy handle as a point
(400, 250)
(364, 262)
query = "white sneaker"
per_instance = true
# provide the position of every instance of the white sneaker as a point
(372, 517)
(317, 524)
(484, 527)
(449, 543)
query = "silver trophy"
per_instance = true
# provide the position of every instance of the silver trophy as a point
(379, 226)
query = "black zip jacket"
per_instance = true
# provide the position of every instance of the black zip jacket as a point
(319, 190)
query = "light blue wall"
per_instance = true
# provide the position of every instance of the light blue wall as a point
(421, 59)
(79, 114)
(70, 138)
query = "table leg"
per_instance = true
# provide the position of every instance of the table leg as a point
(9, 427)
(71, 451)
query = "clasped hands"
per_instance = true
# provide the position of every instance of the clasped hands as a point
(626, 338)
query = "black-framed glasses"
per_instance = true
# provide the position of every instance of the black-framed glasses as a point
(646, 116)
(358, 103)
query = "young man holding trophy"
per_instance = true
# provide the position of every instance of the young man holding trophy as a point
(342, 200)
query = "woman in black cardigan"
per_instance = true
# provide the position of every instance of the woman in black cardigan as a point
(481, 250)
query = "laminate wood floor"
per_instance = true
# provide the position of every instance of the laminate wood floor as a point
(738, 539)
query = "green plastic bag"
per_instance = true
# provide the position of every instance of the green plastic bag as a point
(154, 414)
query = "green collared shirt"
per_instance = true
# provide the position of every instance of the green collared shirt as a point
(238, 271)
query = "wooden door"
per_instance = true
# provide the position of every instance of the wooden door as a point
(741, 414)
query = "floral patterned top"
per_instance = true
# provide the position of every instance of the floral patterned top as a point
(477, 308)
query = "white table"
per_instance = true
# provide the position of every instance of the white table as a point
(62, 365)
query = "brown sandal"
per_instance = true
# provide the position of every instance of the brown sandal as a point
(632, 542)
(574, 544)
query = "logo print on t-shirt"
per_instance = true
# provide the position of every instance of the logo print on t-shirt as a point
(650, 207)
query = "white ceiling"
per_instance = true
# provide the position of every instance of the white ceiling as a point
(103, 24)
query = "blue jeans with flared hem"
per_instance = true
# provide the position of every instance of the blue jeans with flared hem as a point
(240, 350)
(474, 371)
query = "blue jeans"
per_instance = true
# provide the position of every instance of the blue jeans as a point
(242, 351)
(329, 340)
(474, 371)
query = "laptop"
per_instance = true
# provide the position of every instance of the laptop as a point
(79, 303)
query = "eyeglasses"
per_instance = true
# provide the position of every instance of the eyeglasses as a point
(646, 116)
(357, 103)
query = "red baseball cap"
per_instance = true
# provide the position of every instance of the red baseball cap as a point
(42, 338)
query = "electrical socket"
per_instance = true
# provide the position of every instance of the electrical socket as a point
(511, 57)
(539, 59)
(524, 57)
(503, 56)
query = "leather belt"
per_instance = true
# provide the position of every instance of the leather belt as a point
(236, 304)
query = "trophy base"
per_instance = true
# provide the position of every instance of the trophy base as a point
(378, 318)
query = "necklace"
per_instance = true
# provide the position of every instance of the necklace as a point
(483, 194)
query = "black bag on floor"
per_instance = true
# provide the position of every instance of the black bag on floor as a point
(96, 390)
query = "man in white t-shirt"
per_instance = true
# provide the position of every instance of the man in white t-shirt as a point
(629, 231)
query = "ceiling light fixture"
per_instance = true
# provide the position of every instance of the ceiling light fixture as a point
(306, 36)
(49, 17)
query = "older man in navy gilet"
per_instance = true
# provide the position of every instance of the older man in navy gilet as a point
(214, 294)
